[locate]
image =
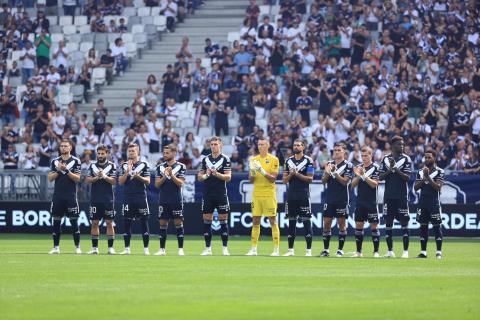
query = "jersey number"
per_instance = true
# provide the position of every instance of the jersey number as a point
(125, 207)
(93, 209)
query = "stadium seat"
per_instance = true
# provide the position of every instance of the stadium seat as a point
(76, 38)
(85, 28)
(129, 12)
(187, 122)
(65, 99)
(204, 132)
(98, 76)
(160, 22)
(101, 47)
(20, 90)
(55, 29)
(79, 55)
(138, 28)
(140, 40)
(155, 11)
(64, 89)
(206, 63)
(53, 20)
(127, 37)
(85, 46)
(227, 148)
(131, 49)
(57, 37)
(65, 20)
(264, 10)
(80, 20)
(68, 30)
(31, 37)
(88, 37)
(233, 36)
(143, 11)
(113, 36)
(133, 21)
(77, 91)
(138, 3)
(147, 20)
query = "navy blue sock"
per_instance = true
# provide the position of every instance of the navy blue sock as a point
(127, 235)
(438, 236)
(224, 231)
(57, 230)
(95, 240)
(341, 239)
(207, 232)
(76, 232)
(111, 238)
(389, 238)
(406, 238)
(326, 239)
(145, 233)
(307, 225)
(423, 236)
(180, 235)
(292, 233)
(163, 236)
(376, 239)
(359, 239)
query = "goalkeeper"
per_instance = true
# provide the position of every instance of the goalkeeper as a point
(263, 172)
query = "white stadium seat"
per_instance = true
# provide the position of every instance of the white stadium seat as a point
(160, 22)
(99, 75)
(143, 11)
(80, 20)
(65, 20)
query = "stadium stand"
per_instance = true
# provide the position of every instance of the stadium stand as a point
(320, 70)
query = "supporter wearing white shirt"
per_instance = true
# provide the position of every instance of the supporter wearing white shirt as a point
(58, 122)
(475, 119)
(28, 57)
(171, 110)
(308, 61)
(90, 140)
(143, 141)
(154, 127)
(385, 116)
(53, 78)
(60, 55)
(108, 136)
(341, 126)
(345, 37)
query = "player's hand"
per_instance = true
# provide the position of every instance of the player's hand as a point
(357, 171)
(130, 166)
(168, 172)
(392, 163)
(101, 174)
(62, 167)
(328, 169)
(209, 172)
(213, 172)
(293, 172)
(426, 172)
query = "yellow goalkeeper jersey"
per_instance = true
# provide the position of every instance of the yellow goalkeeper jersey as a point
(261, 186)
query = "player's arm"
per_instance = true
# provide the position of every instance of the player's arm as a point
(123, 177)
(418, 185)
(52, 175)
(227, 176)
(436, 184)
(179, 181)
(74, 176)
(372, 182)
(144, 180)
(355, 181)
(287, 175)
(202, 175)
(343, 180)
(159, 180)
(404, 176)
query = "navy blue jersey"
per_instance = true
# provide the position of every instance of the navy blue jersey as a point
(307, 101)
(135, 190)
(336, 192)
(366, 195)
(169, 191)
(102, 191)
(298, 189)
(213, 185)
(65, 188)
(395, 186)
(428, 195)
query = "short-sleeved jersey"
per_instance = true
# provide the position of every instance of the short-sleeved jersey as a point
(213, 185)
(395, 186)
(102, 191)
(169, 191)
(337, 192)
(261, 186)
(65, 188)
(366, 195)
(298, 189)
(135, 190)
(428, 195)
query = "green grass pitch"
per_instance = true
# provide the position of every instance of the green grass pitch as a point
(34, 285)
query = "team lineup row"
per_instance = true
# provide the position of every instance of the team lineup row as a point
(339, 175)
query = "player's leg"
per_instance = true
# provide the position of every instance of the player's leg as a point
(270, 210)
(374, 220)
(328, 214)
(73, 213)
(180, 235)
(94, 227)
(223, 218)
(127, 210)
(57, 215)
(95, 234)
(142, 212)
(359, 237)
(207, 233)
(177, 213)
(291, 215)
(163, 218)
(436, 220)
(208, 206)
(342, 232)
(256, 218)
(307, 226)
(275, 235)
(404, 218)
(389, 211)
(110, 235)
(422, 219)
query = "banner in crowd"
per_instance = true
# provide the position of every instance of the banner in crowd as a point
(34, 217)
